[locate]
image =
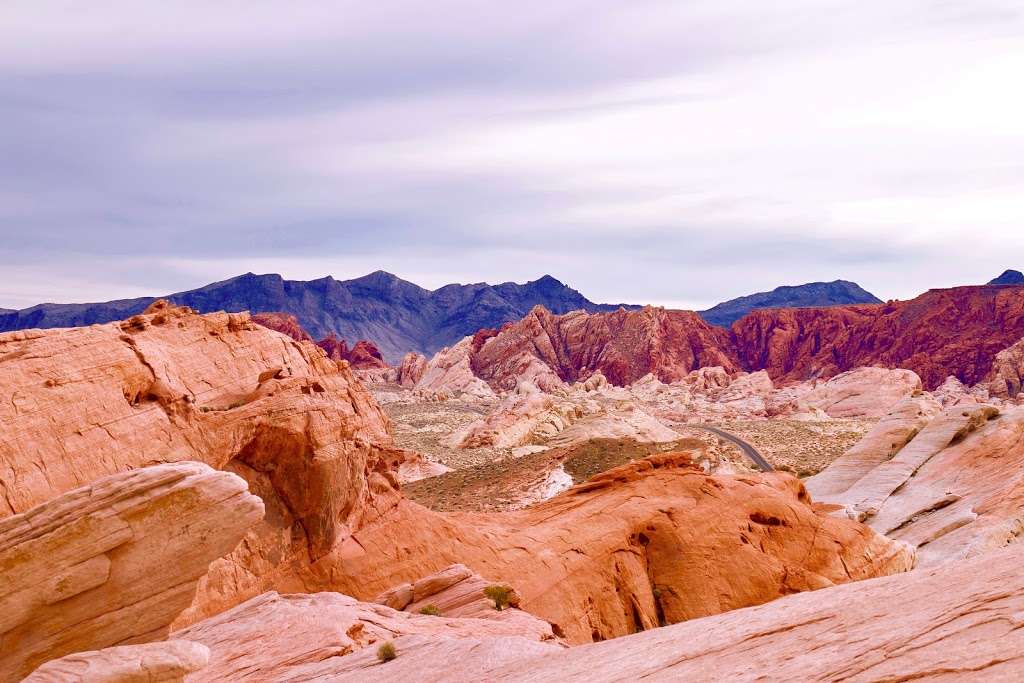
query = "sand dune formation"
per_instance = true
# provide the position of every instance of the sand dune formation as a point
(208, 497)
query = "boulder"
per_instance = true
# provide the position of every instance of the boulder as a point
(114, 562)
(169, 661)
(306, 637)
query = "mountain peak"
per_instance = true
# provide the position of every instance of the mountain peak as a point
(810, 294)
(1009, 277)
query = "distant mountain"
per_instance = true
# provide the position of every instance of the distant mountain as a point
(1009, 277)
(812, 294)
(396, 315)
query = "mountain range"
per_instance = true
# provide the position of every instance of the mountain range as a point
(398, 316)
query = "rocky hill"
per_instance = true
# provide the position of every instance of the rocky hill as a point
(1009, 277)
(398, 316)
(943, 332)
(817, 294)
(971, 333)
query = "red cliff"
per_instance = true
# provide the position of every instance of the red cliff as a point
(943, 332)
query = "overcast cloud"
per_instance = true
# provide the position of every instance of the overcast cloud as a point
(647, 151)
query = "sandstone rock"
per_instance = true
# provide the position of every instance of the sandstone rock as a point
(886, 438)
(363, 356)
(953, 491)
(943, 332)
(864, 392)
(960, 622)
(656, 541)
(164, 662)
(170, 385)
(411, 370)
(458, 591)
(114, 562)
(1005, 377)
(285, 323)
(449, 372)
(307, 637)
(623, 345)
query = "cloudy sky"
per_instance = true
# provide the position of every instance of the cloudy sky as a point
(673, 152)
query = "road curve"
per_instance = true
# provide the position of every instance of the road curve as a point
(747, 449)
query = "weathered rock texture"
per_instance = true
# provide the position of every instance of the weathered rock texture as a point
(600, 560)
(171, 385)
(305, 637)
(623, 345)
(656, 541)
(953, 490)
(959, 622)
(1007, 374)
(284, 323)
(169, 661)
(943, 332)
(363, 356)
(114, 562)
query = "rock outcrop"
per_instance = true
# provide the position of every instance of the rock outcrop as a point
(171, 385)
(943, 332)
(169, 661)
(1007, 374)
(952, 488)
(114, 562)
(284, 323)
(450, 373)
(306, 637)
(458, 591)
(363, 356)
(623, 345)
(959, 622)
(652, 542)
(864, 392)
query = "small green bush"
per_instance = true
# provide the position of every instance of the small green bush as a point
(430, 610)
(386, 652)
(499, 594)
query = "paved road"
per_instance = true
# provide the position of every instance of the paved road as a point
(747, 449)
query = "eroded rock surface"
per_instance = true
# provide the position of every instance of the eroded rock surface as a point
(305, 637)
(114, 562)
(954, 489)
(655, 541)
(170, 385)
(958, 622)
(943, 332)
(169, 661)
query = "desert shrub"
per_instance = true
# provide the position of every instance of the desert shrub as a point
(499, 594)
(386, 652)
(430, 610)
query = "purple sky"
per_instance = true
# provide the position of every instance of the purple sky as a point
(667, 152)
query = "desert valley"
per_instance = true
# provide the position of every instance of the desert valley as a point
(831, 491)
(584, 341)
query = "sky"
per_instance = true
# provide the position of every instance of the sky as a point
(666, 152)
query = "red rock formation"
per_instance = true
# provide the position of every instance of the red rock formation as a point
(623, 345)
(170, 385)
(960, 623)
(363, 356)
(285, 323)
(654, 541)
(943, 332)
(601, 560)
